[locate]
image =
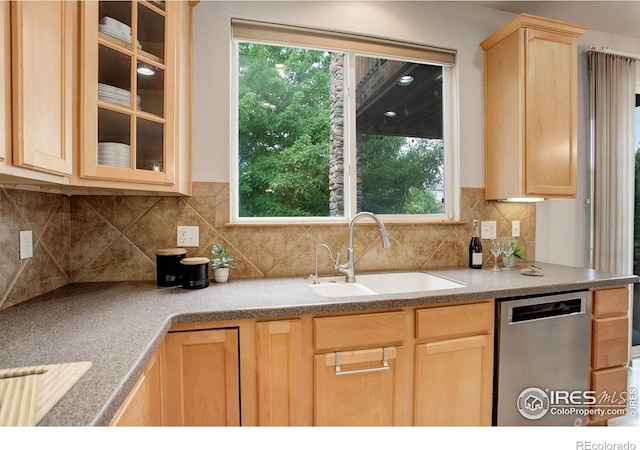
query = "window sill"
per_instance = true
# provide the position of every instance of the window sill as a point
(341, 224)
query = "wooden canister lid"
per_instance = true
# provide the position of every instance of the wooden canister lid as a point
(171, 251)
(194, 261)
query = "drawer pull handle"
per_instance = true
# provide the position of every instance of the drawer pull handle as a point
(385, 365)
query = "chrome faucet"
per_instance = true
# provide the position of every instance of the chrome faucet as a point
(314, 279)
(348, 267)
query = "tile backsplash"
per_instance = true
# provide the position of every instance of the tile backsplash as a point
(108, 238)
(48, 215)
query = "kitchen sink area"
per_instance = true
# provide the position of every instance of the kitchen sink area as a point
(350, 285)
(382, 283)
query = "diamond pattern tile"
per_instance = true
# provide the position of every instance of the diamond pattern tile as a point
(106, 238)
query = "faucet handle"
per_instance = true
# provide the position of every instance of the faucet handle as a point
(337, 264)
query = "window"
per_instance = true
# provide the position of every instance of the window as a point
(635, 322)
(328, 125)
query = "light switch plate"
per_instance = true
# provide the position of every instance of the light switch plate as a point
(188, 236)
(515, 228)
(488, 229)
(26, 244)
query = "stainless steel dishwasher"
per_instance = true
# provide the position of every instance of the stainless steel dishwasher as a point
(542, 359)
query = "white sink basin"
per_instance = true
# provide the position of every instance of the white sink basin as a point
(382, 283)
(340, 289)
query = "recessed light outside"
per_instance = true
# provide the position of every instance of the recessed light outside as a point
(146, 71)
(405, 80)
(390, 114)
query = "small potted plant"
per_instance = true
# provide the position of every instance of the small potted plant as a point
(517, 253)
(221, 263)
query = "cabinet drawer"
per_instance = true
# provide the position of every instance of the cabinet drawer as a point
(610, 342)
(341, 359)
(610, 386)
(359, 330)
(611, 301)
(458, 320)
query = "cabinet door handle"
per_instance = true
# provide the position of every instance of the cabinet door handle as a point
(385, 365)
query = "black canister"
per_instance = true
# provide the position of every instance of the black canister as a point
(168, 269)
(195, 272)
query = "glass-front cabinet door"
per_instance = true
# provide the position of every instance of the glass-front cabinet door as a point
(128, 75)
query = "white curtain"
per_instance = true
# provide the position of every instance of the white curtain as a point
(612, 83)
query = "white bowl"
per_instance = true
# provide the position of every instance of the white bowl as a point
(110, 21)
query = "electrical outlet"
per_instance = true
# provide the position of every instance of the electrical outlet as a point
(515, 228)
(188, 236)
(26, 244)
(488, 229)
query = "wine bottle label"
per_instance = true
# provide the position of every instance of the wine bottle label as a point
(477, 259)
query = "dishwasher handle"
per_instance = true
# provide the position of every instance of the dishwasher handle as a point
(546, 310)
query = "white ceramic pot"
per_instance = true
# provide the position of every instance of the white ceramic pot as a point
(509, 262)
(221, 274)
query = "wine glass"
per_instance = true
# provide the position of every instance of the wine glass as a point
(496, 248)
(509, 247)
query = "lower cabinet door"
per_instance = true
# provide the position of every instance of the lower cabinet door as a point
(279, 376)
(143, 405)
(202, 383)
(363, 387)
(610, 387)
(454, 382)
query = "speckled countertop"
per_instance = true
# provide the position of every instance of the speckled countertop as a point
(118, 326)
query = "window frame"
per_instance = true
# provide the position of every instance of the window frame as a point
(270, 34)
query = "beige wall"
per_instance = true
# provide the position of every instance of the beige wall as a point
(111, 238)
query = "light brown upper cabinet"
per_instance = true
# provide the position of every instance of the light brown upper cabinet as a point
(37, 79)
(97, 96)
(530, 89)
(5, 82)
(136, 89)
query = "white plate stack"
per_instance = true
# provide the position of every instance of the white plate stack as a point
(112, 27)
(114, 154)
(117, 95)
